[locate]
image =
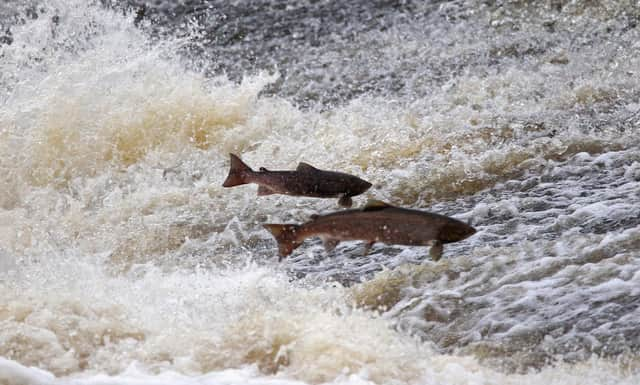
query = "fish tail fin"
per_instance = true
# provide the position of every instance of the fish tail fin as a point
(238, 172)
(286, 237)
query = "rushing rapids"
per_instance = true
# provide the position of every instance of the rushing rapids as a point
(123, 259)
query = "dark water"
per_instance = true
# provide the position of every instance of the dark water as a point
(122, 256)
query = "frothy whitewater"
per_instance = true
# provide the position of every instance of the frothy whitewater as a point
(124, 261)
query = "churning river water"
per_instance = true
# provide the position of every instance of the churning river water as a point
(124, 261)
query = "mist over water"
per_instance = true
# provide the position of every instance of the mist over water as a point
(123, 260)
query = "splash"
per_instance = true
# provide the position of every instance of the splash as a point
(123, 259)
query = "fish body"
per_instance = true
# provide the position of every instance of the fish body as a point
(377, 222)
(306, 181)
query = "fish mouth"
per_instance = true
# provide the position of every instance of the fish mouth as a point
(456, 232)
(365, 186)
(470, 232)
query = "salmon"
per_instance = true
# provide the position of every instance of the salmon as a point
(306, 181)
(376, 222)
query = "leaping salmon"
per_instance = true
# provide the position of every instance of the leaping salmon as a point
(376, 222)
(306, 181)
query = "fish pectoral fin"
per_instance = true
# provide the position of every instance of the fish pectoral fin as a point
(345, 201)
(367, 248)
(330, 244)
(436, 250)
(263, 190)
(302, 166)
(374, 205)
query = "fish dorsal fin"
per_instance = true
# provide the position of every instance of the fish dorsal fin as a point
(302, 166)
(373, 205)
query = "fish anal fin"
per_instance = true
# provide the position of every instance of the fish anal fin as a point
(367, 248)
(306, 167)
(373, 205)
(264, 190)
(330, 243)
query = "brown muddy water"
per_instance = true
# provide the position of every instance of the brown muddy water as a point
(124, 261)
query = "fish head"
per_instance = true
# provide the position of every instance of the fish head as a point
(454, 231)
(358, 186)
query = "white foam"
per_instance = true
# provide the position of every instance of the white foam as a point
(109, 260)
